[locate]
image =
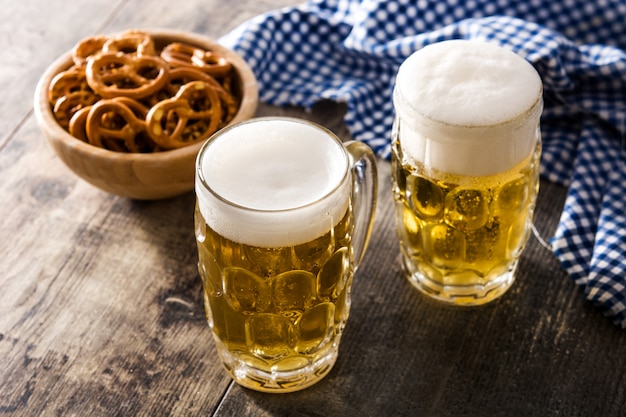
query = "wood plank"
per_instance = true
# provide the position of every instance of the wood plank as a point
(213, 18)
(33, 34)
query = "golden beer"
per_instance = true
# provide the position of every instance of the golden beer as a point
(277, 309)
(461, 236)
(466, 147)
(278, 245)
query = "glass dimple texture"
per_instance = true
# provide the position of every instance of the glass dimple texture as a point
(342, 307)
(312, 256)
(482, 244)
(315, 327)
(426, 198)
(410, 234)
(269, 336)
(268, 262)
(245, 291)
(332, 277)
(517, 236)
(511, 199)
(209, 272)
(293, 292)
(227, 323)
(466, 209)
(399, 185)
(447, 243)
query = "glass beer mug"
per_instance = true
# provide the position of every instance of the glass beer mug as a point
(283, 216)
(465, 167)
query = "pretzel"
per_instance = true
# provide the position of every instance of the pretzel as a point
(66, 106)
(183, 75)
(68, 82)
(115, 124)
(193, 114)
(115, 74)
(179, 54)
(230, 105)
(78, 124)
(131, 42)
(86, 48)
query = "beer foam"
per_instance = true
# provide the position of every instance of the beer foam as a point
(285, 181)
(467, 107)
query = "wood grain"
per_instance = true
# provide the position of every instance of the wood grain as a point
(100, 301)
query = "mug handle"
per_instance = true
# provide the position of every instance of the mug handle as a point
(364, 195)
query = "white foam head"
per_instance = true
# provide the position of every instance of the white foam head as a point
(272, 182)
(467, 107)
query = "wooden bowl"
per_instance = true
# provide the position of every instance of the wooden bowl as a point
(145, 176)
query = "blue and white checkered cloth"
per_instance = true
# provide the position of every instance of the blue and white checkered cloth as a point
(349, 51)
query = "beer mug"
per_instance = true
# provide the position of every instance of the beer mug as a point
(282, 221)
(465, 167)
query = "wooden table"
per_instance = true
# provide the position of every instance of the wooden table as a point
(100, 301)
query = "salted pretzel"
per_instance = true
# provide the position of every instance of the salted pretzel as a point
(179, 54)
(78, 124)
(193, 114)
(66, 106)
(115, 74)
(118, 124)
(130, 42)
(68, 82)
(86, 48)
(183, 75)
